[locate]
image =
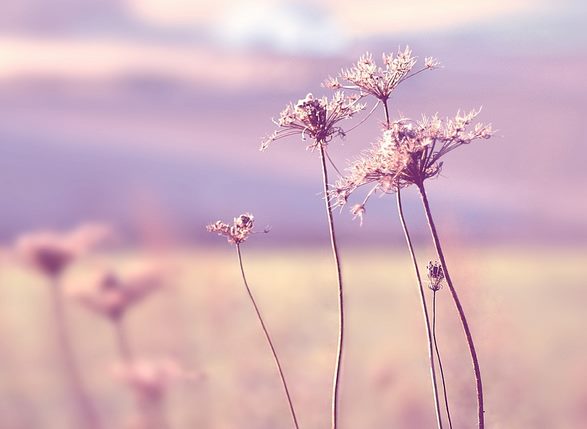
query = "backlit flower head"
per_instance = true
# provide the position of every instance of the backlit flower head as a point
(408, 152)
(315, 118)
(238, 232)
(379, 81)
(111, 295)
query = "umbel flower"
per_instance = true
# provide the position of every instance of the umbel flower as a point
(238, 232)
(409, 152)
(52, 252)
(112, 295)
(366, 76)
(316, 118)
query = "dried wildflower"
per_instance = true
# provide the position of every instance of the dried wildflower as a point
(366, 76)
(240, 230)
(409, 152)
(378, 166)
(111, 295)
(51, 252)
(316, 118)
(435, 275)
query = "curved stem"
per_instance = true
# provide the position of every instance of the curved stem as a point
(87, 413)
(439, 359)
(268, 337)
(336, 379)
(424, 310)
(457, 302)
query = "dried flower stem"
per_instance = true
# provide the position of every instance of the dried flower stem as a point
(424, 310)
(336, 378)
(267, 336)
(462, 316)
(408, 238)
(87, 414)
(439, 359)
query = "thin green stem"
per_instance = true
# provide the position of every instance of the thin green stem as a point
(267, 336)
(86, 412)
(424, 309)
(461, 312)
(439, 359)
(339, 353)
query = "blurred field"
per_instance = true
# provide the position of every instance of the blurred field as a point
(526, 306)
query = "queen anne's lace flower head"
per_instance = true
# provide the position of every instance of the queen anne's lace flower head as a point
(409, 152)
(379, 81)
(238, 232)
(316, 118)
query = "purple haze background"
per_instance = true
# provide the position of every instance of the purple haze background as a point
(145, 114)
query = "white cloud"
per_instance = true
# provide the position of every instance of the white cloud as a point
(285, 28)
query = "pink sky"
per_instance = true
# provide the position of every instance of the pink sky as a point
(167, 82)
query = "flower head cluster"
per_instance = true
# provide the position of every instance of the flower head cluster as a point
(409, 152)
(111, 295)
(316, 118)
(366, 76)
(51, 252)
(435, 276)
(238, 232)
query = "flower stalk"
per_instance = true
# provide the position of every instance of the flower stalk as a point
(236, 234)
(267, 337)
(458, 305)
(429, 332)
(335, 254)
(85, 409)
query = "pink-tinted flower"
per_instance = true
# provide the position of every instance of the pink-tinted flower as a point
(111, 295)
(51, 252)
(238, 232)
(379, 81)
(409, 152)
(315, 118)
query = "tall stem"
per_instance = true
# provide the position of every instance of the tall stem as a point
(268, 337)
(439, 359)
(424, 309)
(386, 109)
(86, 412)
(337, 368)
(122, 342)
(457, 302)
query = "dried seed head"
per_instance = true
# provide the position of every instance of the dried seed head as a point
(239, 231)
(435, 275)
(407, 153)
(368, 77)
(316, 118)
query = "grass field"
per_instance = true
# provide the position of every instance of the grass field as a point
(527, 308)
